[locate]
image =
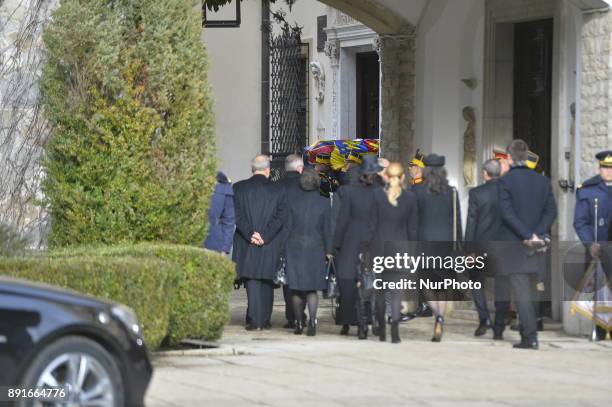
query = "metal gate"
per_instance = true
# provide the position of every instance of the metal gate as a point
(288, 96)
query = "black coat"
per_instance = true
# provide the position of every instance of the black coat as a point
(394, 228)
(484, 216)
(527, 207)
(436, 215)
(308, 239)
(352, 227)
(484, 224)
(259, 208)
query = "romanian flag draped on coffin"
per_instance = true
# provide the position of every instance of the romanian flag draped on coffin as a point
(336, 153)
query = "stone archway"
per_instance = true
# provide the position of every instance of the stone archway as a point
(396, 48)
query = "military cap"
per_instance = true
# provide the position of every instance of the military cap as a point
(434, 160)
(604, 158)
(532, 160)
(417, 159)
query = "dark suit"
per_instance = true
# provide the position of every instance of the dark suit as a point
(259, 208)
(527, 207)
(483, 227)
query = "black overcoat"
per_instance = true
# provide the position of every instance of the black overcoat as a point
(259, 207)
(527, 207)
(352, 227)
(308, 239)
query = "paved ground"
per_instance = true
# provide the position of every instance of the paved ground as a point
(277, 368)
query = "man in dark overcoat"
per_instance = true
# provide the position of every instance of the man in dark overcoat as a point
(259, 215)
(528, 210)
(482, 230)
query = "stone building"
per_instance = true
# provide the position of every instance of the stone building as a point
(459, 78)
(455, 77)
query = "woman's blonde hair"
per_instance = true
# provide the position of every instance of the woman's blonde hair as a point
(395, 176)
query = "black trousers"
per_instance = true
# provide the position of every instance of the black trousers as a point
(395, 298)
(289, 315)
(349, 297)
(523, 287)
(260, 295)
(480, 299)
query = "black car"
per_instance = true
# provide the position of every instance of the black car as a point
(52, 338)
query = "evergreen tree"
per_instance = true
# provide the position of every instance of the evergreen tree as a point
(131, 155)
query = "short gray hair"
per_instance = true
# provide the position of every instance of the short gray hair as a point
(492, 167)
(293, 162)
(260, 163)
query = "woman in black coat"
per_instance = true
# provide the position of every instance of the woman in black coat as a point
(351, 229)
(439, 225)
(394, 230)
(307, 246)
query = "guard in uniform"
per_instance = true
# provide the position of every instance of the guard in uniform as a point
(416, 166)
(597, 188)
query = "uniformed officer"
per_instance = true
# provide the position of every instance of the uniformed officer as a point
(597, 188)
(416, 166)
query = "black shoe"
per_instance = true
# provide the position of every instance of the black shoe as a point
(312, 327)
(600, 333)
(299, 328)
(423, 310)
(438, 329)
(345, 330)
(395, 338)
(362, 330)
(289, 325)
(526, 345)
(482, 328)
(251, 327)
(498, 336)
(267, 326)
(407, 317)
(540, 325)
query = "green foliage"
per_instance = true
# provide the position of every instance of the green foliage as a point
(143, 284)
(131, 156)
(202, 283)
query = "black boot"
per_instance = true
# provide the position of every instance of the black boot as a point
(312, 327)
(382, 327)
(299, 328)
(482, 328)
(395, 338)
(345, 330)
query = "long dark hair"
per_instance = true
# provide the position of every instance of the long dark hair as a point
(436, 179)
(368, 179)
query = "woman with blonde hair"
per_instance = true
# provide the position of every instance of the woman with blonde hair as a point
(393, 230)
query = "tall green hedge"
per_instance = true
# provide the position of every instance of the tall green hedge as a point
(131, 156)
(177, 291)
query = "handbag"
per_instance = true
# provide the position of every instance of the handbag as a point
(280, 277)
(365, 274)
(332, 282)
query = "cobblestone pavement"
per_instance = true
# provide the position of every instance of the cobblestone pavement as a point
(277, 368)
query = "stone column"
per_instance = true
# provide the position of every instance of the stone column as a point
(332, 50)
(596, 91)
(397, 93)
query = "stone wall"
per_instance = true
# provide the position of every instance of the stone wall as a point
(397, 58)
(596, 90)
